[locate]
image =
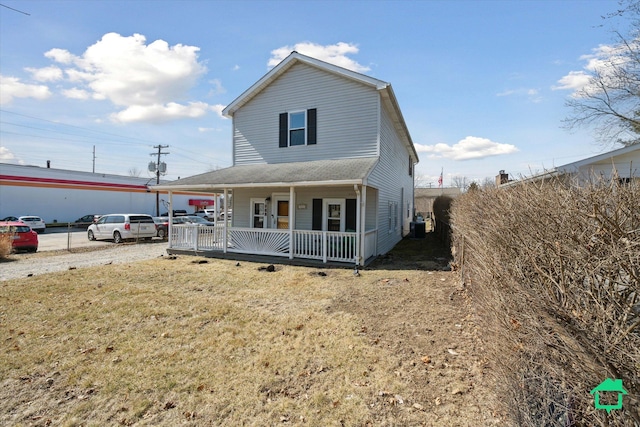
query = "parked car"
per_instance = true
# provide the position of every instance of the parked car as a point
(85, 221)
(35, 222)
(23, 237)
(121, 227)
(176, 212)
(208, 214)
(10, 218)
(192, 219)
(162, 226)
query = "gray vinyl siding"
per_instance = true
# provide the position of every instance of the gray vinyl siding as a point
(395, 185)
(346, 118)
(304, 196)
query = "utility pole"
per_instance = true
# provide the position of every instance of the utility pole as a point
(158, 167)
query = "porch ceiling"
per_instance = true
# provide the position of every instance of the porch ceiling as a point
(297, 174)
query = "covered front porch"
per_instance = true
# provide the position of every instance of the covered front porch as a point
(325, 246)
(321, 211)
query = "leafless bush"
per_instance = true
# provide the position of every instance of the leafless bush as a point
(6, 247)
(554, 271)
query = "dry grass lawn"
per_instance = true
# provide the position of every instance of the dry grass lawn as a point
(188, 342)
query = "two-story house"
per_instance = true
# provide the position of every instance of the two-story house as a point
(323, 169)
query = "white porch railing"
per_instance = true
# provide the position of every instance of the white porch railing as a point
(262, 241)
(197, 237)
(325, 245)
(320, 245)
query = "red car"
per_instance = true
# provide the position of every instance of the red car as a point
(23, 237)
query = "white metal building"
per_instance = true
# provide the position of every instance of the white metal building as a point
(58, 195)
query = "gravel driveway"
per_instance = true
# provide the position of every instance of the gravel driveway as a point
(23, 265)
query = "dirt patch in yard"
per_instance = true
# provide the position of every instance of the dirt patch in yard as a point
(419, 311)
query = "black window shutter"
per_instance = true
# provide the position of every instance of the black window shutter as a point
(350, 219)
(311, 126)
(284, 131)
(316, 222)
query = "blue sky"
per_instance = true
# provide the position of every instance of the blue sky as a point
(482, 84)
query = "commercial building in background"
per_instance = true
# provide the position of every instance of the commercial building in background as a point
(58, 195)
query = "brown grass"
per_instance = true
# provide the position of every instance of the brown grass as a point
(167, 342)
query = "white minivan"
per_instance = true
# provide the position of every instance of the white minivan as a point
(121, 227)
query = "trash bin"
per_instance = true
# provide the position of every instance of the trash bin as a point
(419, 230)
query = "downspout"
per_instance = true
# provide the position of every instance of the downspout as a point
(363, 221)
(359, 233)
(292, 219)
(225, 238)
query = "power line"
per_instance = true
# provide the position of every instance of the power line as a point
(15, 10)
(75, 127)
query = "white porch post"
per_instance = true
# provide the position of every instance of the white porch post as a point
(359, 234)
(170, 216)
(226, 220)
(292, 218)
(363, 223)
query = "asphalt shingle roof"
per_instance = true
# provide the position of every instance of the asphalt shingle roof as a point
(336, 171)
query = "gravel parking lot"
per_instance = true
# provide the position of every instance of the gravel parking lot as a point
(24, 265)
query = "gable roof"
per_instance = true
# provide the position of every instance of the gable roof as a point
(297, 174)
(384, 88)
(600, 158)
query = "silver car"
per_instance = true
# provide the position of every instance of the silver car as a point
(121, 227)
(35, 222)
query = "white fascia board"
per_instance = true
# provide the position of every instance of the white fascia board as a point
(600, 157)
(209, 187)
(399, 119)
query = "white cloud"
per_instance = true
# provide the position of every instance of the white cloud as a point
(60, 55)
(217, 87)
(46, 74)
(532, 95)
(75, 93)
(6, 156)
(603, 60)
(468, 148)
(335, 54)
(217, 108)
(150, 81)
(575, 80)
(158, 113)
(11, 87)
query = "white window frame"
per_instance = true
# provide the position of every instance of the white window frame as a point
(325, 212)
(252, 215)
(392, 217)
(304, 128)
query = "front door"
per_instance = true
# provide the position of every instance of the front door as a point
(282, 214)
(280, 211)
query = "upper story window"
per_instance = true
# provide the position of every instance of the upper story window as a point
(298, 128)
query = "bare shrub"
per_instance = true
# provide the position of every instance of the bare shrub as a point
(6, 247)
(554, 271)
